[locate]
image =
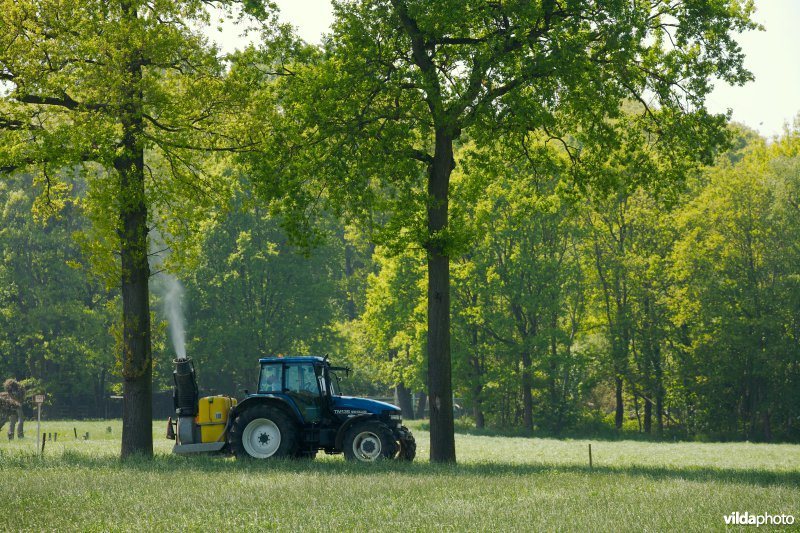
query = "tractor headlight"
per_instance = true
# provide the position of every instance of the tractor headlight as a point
(392, 418)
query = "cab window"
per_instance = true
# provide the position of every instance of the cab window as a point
(302, 387)
(271, 378)
(301, 378)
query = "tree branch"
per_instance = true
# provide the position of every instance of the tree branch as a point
(10, 124)
(433, 92)
(162, 143)
(65, 100)
(419, 155)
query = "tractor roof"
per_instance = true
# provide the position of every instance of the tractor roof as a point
(293, 359)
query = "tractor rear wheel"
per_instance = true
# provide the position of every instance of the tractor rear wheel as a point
(369, 441)
(262, 432)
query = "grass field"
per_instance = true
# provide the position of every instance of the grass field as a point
(500, 483)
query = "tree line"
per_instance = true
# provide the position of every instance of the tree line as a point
(393, 130)
(668, 314)
(574, 312)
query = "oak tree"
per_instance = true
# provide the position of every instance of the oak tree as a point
(372, 123)
(128, 93)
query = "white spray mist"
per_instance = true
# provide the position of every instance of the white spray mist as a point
(173, 309)
(170, 290)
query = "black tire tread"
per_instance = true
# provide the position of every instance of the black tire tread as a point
(408, 447)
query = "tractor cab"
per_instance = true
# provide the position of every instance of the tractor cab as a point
(311, 385)
(301, 380)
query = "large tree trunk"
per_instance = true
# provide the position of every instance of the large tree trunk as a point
(137, 364)
(440, 388)
(137, 432)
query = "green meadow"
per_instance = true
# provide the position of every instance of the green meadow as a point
(500, 483)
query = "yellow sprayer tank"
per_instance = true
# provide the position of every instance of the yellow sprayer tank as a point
(212, 415)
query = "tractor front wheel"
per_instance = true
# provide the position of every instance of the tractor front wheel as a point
(262, 432)
(407, 445)
(369, 441)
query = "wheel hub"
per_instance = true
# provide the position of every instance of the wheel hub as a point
(367, 446)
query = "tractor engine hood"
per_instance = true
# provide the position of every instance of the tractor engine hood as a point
(350, 406)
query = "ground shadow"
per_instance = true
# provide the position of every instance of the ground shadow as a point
(171, 463)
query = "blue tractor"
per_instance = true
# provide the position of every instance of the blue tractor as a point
(296, 411)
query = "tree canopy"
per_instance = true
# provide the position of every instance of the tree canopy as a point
(374, 121)
(519, 213)
(126, 93)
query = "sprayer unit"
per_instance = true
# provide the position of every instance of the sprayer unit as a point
(201, 422)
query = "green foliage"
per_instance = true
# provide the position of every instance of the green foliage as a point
(370, 127)
(515, 297)
(53, 320)
(354, 128)
(130, 96)
(736, 274)
(684, 299)
(394, 318)
(254, 295)
(555, 156)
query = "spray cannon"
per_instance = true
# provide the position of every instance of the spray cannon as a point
(201, 423)
(185, 394)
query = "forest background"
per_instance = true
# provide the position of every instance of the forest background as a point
(676, 303)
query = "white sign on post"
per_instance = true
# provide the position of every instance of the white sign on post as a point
(39, 399)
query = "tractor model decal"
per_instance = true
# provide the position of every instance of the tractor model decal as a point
(350, 412)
